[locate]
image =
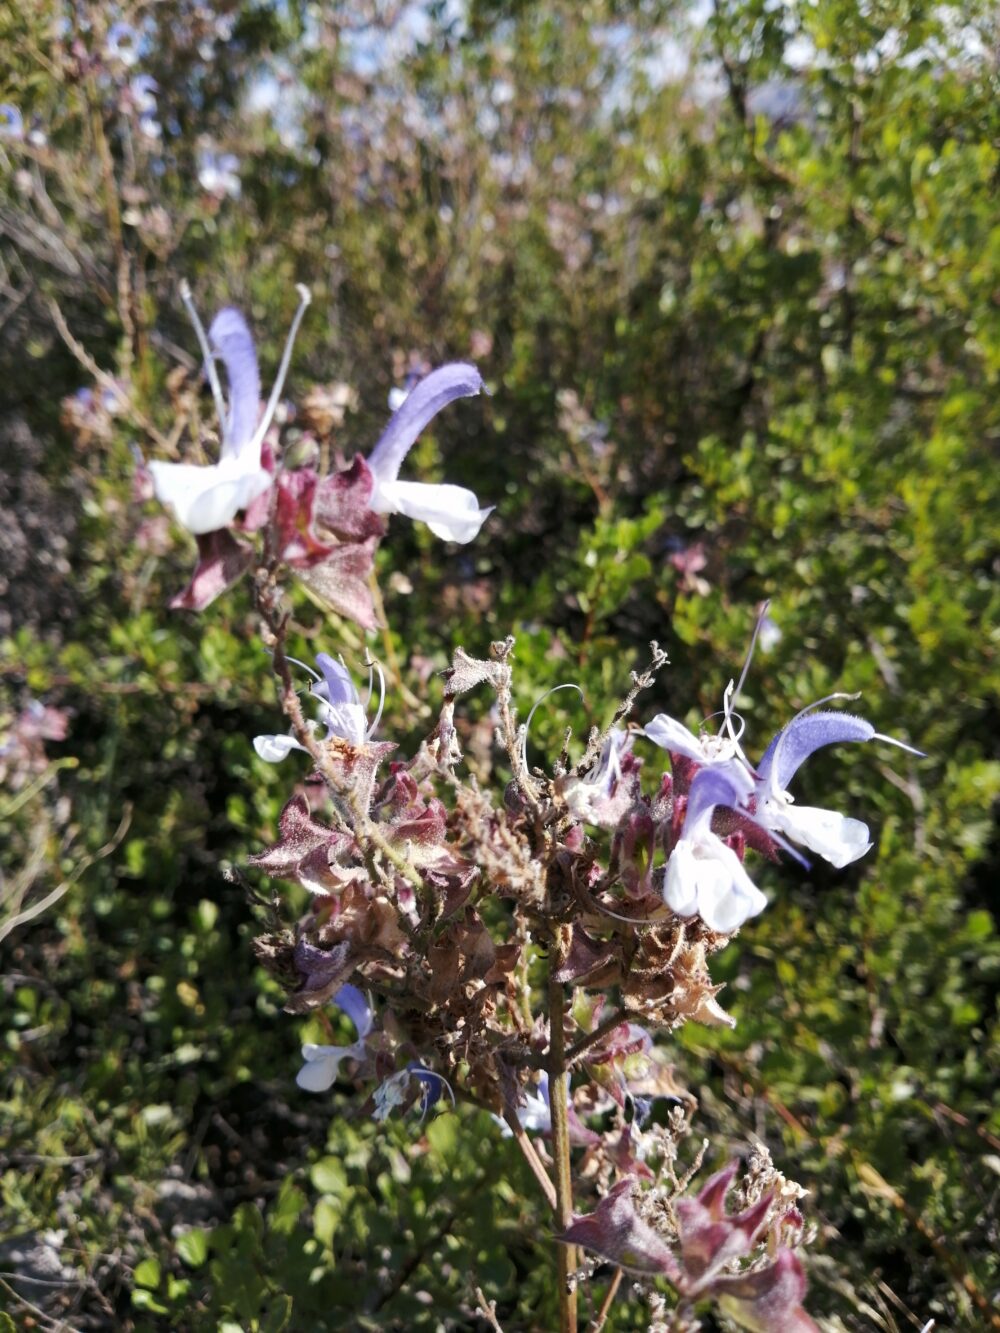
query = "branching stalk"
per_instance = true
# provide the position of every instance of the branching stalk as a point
(599, 1033)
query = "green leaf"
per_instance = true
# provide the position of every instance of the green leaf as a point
(326, 1219)
(286, 1210)
(278, 1315)
(442, 1135)
(192, 1246)
(147, 1274)
(328, 1176)
(145, 1300)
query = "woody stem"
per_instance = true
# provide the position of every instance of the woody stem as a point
(558, 1094)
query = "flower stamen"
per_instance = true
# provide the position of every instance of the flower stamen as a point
(566, 685)
(208, 354)
(305, 299)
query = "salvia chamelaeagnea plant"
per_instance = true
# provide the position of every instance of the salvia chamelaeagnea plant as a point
(437, 904)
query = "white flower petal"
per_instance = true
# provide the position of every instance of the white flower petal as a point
(837, 838)
(727, 896)
(205, 499)
(674, 736)
(680, 887)
(535, 1114)
(321, 1065)
(451, 512)
(275, 748)
(707, 877)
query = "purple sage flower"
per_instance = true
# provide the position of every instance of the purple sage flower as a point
(534, 1115)
(451, 512)
(676, 738)
(399, 393)
(207, 498)
(11, 122)
(143, 89)
(395, 1091)
(602, 796)
(703, 875)
(122, 43)
(218, 173)
(838, 838)
(322, 1063)
(340, 708)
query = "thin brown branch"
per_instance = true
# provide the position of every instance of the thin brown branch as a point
(532, 1158)
(954, 1263)
(488, 1309)
(606, 1304)
(641, 680)
(52, 898)
(940, 1108)
(102, 377)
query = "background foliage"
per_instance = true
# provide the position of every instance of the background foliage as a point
(732, 276)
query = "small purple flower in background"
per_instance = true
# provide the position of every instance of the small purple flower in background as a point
(837, 838)
(218, 174)
(90, 412)
(689, 561)
(142, 91)
(451, 512)
(604, 794)
(704, 875)
(769, 634)
(432, 1086)
(399, 394)
(534, 1115)
(391, 1094)
(340, 709)
(122, 44)
(206, 498)
(395, 1091)
(22, 740)
(11, 122)
(322, 1063)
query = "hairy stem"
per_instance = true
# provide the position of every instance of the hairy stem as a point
(558, 1094)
